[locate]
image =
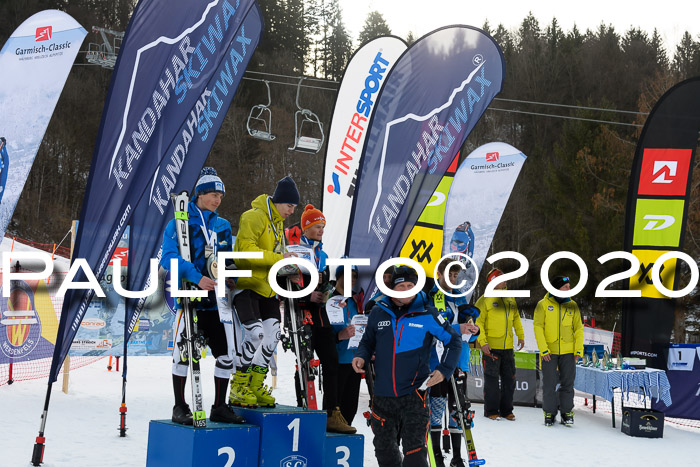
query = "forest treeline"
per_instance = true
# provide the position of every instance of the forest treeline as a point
(573, 101)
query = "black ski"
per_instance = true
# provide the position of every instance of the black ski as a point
(465, 417)
(193, 343)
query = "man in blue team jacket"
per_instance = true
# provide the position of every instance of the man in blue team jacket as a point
(400, 335)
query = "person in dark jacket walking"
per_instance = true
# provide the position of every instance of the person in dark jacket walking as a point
(400, 334)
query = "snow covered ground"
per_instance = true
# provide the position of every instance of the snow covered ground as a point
(82, 425)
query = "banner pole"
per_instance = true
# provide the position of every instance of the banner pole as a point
(66, 374)
(39, 446)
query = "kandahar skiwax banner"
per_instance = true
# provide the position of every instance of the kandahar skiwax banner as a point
(431, 100)
(155, 209)
(34, 64)
(424, 243)
(363, 78)
(477, 199)
(171, 86)
(657, 208)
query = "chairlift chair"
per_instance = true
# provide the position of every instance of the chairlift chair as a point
(259, 122)
(305, 142)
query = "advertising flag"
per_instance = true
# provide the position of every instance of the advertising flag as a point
(171, 86)
(363, 79)
(154, 209)
(477, 199)
(431, 100)
(424, 243)
(34, 65)
(655, 220)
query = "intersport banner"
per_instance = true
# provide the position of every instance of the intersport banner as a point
(163, 109)
(477, 199)
(363, 78)
(431, 100)
(34, 64)
(655, 221)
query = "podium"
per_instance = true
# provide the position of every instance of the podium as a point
(282, 436)
(219, 444)
(289, 435)
(344, 450)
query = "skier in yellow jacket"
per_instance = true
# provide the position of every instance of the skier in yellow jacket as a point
(261, 229)
(497, 319)
(559, 334)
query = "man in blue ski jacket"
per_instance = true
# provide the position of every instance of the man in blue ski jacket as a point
(400, 335)
(461, 316)
(209, 234)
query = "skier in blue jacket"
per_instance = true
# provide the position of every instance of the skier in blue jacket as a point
(461, 316)
(400, 335)
(209, 234)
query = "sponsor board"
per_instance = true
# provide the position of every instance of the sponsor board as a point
(91, 344)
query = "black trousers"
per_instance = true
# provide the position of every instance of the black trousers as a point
(498, 398)
(348, 391)
(406, 418)
(561, 369)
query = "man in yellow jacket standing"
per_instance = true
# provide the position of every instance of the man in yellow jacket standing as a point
(559, 334)
(261, 229)
(497, 318)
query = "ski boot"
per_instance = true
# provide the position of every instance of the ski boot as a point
(567, 418)
(182, 415)
(225, 414)
(240, 393)
(262, 393)
(336, 423)
(549, 419)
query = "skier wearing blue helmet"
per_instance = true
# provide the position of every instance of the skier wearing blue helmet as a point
(463, 240)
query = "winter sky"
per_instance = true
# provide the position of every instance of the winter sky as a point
(671, 18)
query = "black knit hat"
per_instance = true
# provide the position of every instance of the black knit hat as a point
(403, 274)
(286, 192)
(559, 281)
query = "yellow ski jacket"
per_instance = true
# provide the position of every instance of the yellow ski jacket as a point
(260, 229)
(497, 318)
(558, 327)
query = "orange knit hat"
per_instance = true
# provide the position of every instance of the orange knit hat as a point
(311, 216)
(494, 273)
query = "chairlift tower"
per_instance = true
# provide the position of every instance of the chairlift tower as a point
(105, 54)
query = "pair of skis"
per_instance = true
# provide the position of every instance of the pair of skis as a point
(297, 338)
(464, 416)
(193, 343)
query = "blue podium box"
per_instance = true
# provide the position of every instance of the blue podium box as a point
(289, 436)
(344, 450)
(217, 445)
